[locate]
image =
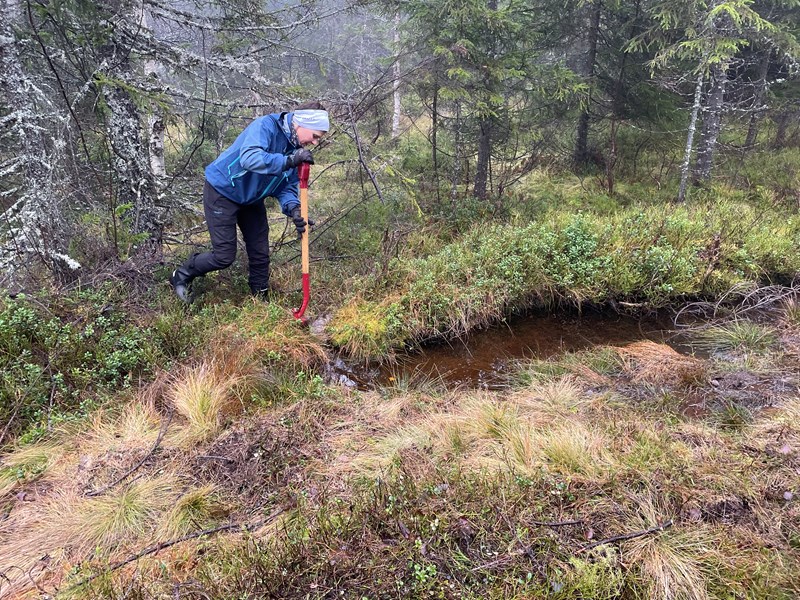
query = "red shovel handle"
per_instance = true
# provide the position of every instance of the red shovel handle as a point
(303, 172)
(298, 312)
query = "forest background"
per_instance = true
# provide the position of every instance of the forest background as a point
(487, 157)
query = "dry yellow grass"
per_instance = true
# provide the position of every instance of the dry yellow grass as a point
(67, 527)
(651, 362)
(190, 512)
(575, 448)
(137, 426)
(61, 522)
(522, 432)
(561, 426)
(26, 464)
(669, 563)
(204, 395)
(552, 397)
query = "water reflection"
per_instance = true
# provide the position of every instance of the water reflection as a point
(482, 359)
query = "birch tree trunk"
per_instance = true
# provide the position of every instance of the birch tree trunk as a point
(484, 155)
(33, 224)
(712, 123)
(156, 127)
(396, 80)
(687, 154)
(455, 173)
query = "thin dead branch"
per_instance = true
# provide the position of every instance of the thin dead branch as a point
(155, 548)
(162, 431)
(628, 536)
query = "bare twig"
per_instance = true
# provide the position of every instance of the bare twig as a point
(557, 523)
(162, 431)
(498, 561)
(628, 536)
(212, 457)
(231, 527)
(361, 158)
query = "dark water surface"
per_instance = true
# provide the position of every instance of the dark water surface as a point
(482, 359)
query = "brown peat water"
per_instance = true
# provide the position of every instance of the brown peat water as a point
(485, 358)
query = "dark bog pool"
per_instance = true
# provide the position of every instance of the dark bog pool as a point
(483, 358)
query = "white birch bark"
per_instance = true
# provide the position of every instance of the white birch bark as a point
(396, 81)
(455, 175)
(156, 126)
(687, 154)
(712, 124)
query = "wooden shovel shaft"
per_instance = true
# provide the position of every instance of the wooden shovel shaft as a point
(303, 173)
(304, 214)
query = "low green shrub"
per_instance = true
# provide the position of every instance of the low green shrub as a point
(644, 252)
(60, 354)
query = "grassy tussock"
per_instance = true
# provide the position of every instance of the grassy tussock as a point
(68, 526)
(659, 364)
(368, 330)
(535, 429)
(669, 566)
(136, 427)
(577, 449)
(269, 334)
(791, 313)
(27, 464)
(738, 336)
(204, 395)
(195, 507)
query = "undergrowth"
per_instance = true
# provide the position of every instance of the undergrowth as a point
(639, 252)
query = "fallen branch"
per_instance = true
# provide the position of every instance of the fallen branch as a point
(162, 431)
(232, 527)
(628, 536)
(557, 523)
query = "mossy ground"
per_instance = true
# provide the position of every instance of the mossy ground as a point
(424, 492)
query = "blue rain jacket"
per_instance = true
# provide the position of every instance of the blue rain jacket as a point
(252, 168)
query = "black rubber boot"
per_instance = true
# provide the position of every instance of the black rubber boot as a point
(181, 281)
(260, 292)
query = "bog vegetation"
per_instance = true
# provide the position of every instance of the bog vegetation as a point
(487, 159)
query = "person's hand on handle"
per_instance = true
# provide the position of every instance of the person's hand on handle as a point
(300, 222)
(299, 156)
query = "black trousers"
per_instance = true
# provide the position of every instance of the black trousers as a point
(222, 218)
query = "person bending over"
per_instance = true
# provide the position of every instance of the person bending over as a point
(261, 162)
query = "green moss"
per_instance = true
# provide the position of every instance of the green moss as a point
(368, 330)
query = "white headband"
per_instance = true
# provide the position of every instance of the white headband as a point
(312, 119)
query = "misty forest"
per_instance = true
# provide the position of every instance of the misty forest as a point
(548, 343)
